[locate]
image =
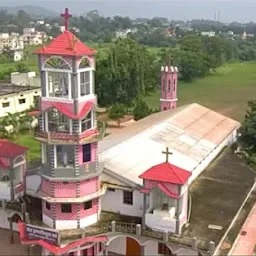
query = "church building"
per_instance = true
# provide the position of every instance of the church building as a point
(139, 175)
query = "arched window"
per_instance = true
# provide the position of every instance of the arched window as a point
(84, 63)
(58, 84)
(19, 159)
(57, 63)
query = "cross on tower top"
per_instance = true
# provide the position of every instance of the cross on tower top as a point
(170, 59)
(167, 153)
(66, 15)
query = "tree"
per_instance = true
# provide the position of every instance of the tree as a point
(116, 112)
(126, 72)
(21, 67)
(247, 132)
(140, 110)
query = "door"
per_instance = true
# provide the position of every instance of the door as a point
(132, 247)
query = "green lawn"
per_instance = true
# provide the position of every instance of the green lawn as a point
(227, 91)
(28, 140)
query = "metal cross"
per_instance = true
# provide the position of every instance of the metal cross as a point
(170, 59)
(66, 15)
(167, 153)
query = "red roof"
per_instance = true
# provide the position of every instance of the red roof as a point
(166, 172)
(66, 44)
(10, 149)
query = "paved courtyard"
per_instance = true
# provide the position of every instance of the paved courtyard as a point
(16, 248)
(217, 195)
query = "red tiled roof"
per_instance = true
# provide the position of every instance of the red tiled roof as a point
(65, 111)
(166, 172)
(66, 44)
(34, 113)
(9, 149)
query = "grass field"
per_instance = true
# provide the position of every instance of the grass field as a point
(227, 91)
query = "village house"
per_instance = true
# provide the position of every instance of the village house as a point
(13, 44)
(125, 195)
(33, 37)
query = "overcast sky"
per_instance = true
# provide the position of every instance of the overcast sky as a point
(230, 10)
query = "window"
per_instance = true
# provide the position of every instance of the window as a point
(164, 250)
(174, 83)
(86, 153)
(65, 156)
(57, 121)
(58, 84)
(128, 197)
(66, 208)
(87, 205)
(6, 104)
(169, 85)
(85, 83)
(87, 122)
(22, 101)
(47, 206)
(111, 189)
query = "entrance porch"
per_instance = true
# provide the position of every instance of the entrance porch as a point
(163, 211)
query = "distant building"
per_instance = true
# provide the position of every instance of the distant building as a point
(13, 44)
(15, 98)
(25, 79)
(208, 33)
(33, 37)
(124, 33)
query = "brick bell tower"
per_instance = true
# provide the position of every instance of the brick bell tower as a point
(169, 81)
(70, 183)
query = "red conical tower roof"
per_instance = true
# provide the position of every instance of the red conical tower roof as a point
(66, 44)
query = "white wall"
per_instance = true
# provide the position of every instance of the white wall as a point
(65, 224)
(47, 221)
(151, 248)
(113, 202)
(4, 223)
(118, 245)
(33, 182)
(14, 105)
(87, 221)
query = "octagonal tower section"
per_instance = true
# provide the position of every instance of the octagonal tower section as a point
(70, 184)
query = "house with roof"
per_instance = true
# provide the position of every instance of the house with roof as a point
(126, 194)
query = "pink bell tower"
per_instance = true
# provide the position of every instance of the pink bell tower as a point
(70, 174)
(169, 81)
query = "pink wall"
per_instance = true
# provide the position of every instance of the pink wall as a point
(88, 212)
(46, 211)
(165, 93)
(89, 186)
(93, 153)
(65, 216)
(46, 186)
(151, 184)
(64, 189)
(82, 103)
(46, 104)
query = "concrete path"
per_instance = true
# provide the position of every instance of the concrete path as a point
(16, 248)
(246, 240)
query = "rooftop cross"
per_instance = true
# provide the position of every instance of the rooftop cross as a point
(66, 15)
(170, 59)
(167, 153)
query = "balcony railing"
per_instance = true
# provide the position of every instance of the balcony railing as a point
(52, 137)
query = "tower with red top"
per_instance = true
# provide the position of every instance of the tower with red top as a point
(169, 81)
(70, 185)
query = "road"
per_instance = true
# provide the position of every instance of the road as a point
(246, 240)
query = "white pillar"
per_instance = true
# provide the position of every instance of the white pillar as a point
(69, 86)
(78, 85)
(91, 80)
